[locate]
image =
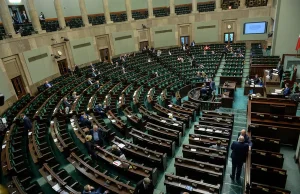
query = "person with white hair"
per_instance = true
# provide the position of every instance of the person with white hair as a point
(239, 154)
(144, 187)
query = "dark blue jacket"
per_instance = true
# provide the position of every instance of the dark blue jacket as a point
(27, 123)
(203, 91)
(239, 151)
(212, 85)
(286, 91)
(247, 139)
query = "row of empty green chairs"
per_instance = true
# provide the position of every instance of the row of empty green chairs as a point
(206, 7)
(161, 12)
(181, 10)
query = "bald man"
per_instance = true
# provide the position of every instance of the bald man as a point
(239, 153)
(246, 137)
(144, 187)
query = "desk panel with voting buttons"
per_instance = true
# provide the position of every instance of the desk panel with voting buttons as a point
(264, 143)
(207, 141)
(176, 185)
(148, 156)
(204, 154)
(163, 132)
(257, 188)
(152, 142)
(206, 113)
(213, 131)
(268, 175)
(267, 158)
(99, 177)
(183, 110)
(134, 170)
(192, 105)
(215, 122)
(200, 171)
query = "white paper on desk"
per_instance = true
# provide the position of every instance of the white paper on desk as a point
(251, 85)
(278, 91)
(170, 105)
(4, 120)
(109, 117)
(201, 129)
(121, 145)
(72, 120)
(129, 116)
(113, 121)
(64, 192)
(75, 129)
(73, 125)
(218, 131)
(29, 133)
(274, 93)
(117, 163)
(3, 146)
(258, 86)
(193, 150)
(49, 177)
(196, 138)
(90, 118)
(55, 140)
(56, 187)
(209, 130)
(163, 121)
(175, 124)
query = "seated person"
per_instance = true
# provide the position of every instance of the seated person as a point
(203, 90)
(91, 190)
(260, 82)
(94, 74)
(117, 152)
(144, 187)
(286, 90)
(218, 146)
(74, 96)
(90, 81)
(89, 145)
(84, 120)
(97, 84)
(171, 116)
(100, 110)
(67, 103)
(97, 135)
(48, 85)
(199, 76)
(256, 79)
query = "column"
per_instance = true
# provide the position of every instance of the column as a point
(218, 5)
(270, 3)
(128, 10)
(242, 4)
(106, 12)
(7, 20)
(84, 14)
(194, 6)
(150, 9)
(60, 15)
(172, 8)
(35, 20)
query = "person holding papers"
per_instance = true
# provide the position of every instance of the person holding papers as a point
(116, 151)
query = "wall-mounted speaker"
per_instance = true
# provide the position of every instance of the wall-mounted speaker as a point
(1, 99)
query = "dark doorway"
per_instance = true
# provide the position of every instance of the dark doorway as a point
(104, 55)
(185, 40)
(18, 86)
(229, 37)
(63, 66)
(16, 12)
(144, 44)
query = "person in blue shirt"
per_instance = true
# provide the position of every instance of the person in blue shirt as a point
(48, 85)
(212, 85)
(97, 135)
(286, 90)
(203, 90)
(88, 189)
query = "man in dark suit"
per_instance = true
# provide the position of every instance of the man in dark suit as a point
(239, 153)
(48, 85)
(97, 135)
(27, 123)
(286, 90)
(246, 138)
(144, 187)
(24, 17)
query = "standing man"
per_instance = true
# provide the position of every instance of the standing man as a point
(24, 17)
(27, 123)
(246, 138)
(239, 153)
(97, 135)
(144, 187)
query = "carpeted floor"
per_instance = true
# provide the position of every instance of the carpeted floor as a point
(240, 122)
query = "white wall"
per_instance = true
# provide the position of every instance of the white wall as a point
(287, 27)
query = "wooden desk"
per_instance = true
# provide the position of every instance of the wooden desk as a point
(255, 89)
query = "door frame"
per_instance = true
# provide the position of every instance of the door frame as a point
(23, 86)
